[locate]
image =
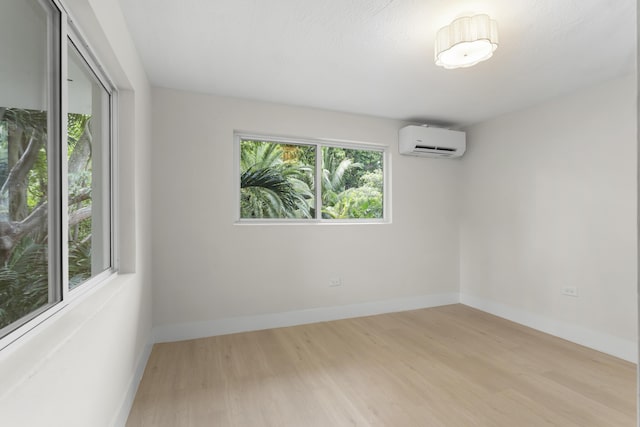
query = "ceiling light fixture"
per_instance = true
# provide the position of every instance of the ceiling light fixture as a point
(466, 41)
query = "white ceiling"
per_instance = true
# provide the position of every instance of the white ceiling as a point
(376, 56)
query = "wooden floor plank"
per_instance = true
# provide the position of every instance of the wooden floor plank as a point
(443, 366)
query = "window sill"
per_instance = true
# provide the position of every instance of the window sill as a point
(311, 222)
(51, 315)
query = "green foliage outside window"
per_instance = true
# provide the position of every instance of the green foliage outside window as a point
(24, 209)
(277, 180)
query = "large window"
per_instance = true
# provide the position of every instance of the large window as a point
(55, 165)
(297, 180)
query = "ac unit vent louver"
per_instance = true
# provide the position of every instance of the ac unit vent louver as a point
(431, 147)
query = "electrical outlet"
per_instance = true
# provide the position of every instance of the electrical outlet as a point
(571, 291)
(335, 281)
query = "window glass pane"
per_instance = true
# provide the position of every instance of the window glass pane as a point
(26, 28)
(277, 180)
(88, 172)
(352, 183)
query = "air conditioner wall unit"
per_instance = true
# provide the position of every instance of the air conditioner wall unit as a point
(426, 141)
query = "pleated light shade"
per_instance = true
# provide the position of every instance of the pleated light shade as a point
(466, 41)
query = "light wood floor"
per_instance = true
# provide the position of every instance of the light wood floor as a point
(444, 366)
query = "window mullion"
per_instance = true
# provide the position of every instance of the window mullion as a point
(113, 179)
(61, 192)
(318, 201)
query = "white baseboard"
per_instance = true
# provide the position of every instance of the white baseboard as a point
(619, 347)
(185, 331)
(615, 346)
(127, 403)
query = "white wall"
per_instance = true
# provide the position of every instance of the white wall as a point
(549, 200)
(206, 269)
(80, 367)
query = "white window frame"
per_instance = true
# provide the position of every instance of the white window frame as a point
(67, 32)
(318, 143)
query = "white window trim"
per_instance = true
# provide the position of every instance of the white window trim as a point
(58, 183)
(318, 142)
